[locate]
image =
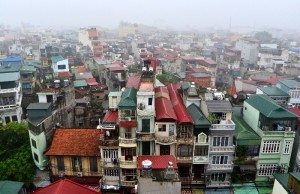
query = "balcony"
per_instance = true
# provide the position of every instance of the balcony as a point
(280, 133)
(218, 184)
(184, 159)
(222, 149)
(186, 180)
(124, 142)
(145, 137)
(185, 140)
(110, 162)
(11, 90)
(220, 167)
(200, 160)
(109, 143)
(128, 183)
(165, 140)
(128, 163)
(224, 125)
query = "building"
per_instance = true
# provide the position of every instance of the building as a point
(12, 187)
(90, 38)
(165, 123)
(158, 174)
(127, 115)
(279, 96)
(74, 154)
(146, 110)
(10, 93)
(275, 125)
(286, 183)
(292, 87)
(249, 48)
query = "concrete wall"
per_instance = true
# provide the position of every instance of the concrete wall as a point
(41, 145)
(278, 188)
(147, 186)
(251, 116)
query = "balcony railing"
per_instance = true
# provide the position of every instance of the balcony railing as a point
(170, 139)
(184, 159)
(186, 180)
(280, 133)
(200, 160)
(218, 184)
(224, 125)
(109, 143)
(127, 141)
(220, 167)
(128, 183)
(222, 149)
(185, 140)
(11, 90)
(145, 137)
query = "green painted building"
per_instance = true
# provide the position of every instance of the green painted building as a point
(275, 125)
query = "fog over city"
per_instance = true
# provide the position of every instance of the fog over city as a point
(165, 14)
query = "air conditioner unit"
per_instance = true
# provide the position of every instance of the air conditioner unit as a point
(79, 174)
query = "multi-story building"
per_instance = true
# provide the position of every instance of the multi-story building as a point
(249, 48)
(74, 154)
(90, 37)
(292, 87)
(165, 123)
(127, 138)
(185, 138)
(279, 96)
(55, 108)
(275, 126)
(10, 93)
(146, 110)
(221, 147)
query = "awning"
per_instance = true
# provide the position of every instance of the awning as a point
(127, 124)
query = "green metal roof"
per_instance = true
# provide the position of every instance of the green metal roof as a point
(27, 69)
(273, 91)
(185, 85)
(91, 65)
(244, 134)
(115, 94)
(197, 116)
(158, 83)
(282, 179)
(128, 99)
(290, 83)
(245, 188)
(268, 107)
(7, 77)
(296, 175)
(80, 83)
(11, 187)
(38, 105)
(55, 59)
(10, 68)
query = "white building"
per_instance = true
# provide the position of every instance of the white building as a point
(249, 48)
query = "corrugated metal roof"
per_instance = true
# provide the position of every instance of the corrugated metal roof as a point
(197, 115)
(128, 100)
(6, 77)
(80, 83)
(11, 187)
(290, 83)
(158, 162)
(218, 106)
(38, 105)
(273, 91)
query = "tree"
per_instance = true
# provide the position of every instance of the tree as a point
(16, 162)
(264, 37)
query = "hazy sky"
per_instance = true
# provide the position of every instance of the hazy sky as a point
(162, 13)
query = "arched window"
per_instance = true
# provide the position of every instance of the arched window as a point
(202, 137)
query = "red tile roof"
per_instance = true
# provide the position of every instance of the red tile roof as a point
(158, 162)
(75, 142)
(64, 74)
(110, 117)
(65, 187)
(133, 82)
(164, 109)
(179, 108)
(93, 33)
(91, 82)
(81, 70)
(296, 111)
(208, 62)
(127, 124)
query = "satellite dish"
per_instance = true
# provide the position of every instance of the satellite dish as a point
(141, 106)
(224, 92)
(235, 96)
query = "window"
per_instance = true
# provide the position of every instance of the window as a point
(36, 157)
(220, 141)
(218, 176)
(93, 164)
(185, 150)
(61, 66)
(7, 120)
(162, 128)
(76, 164)
(267, 169)
(220, 159)
(14, 118)
(150, 101)
(253, 150)
(128, 133)
(185, 131)
(145, 125)
(128, 152)
(60, 163)
(128, 172)
(33, 143)
(201, 151)
(202, 137)
(271, 147)
(111, 153)
(171, 129)
(111, 172)
(224, 116)
(287, 147)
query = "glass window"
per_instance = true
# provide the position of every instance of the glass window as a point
(150, 101)
(36, 157)
(60, 163)
(76, 164)
(145, 125)
(93, 164)
(33, 143)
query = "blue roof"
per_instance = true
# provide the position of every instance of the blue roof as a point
(11, 59)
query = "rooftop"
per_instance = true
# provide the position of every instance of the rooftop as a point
(110, 117)
(197, 115)
(9, 68)
(273, 91)
(91, 82)
(146, 87)
(158, 162)
(65, 186)
(80, 83)
(164, 109)
(75, 142)
(290, 83)
(133, 82)
(11, 187)
(268, 107)
(37, 105)
(6, 77)
(55, 59)
(215, 106)
(128, 99)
